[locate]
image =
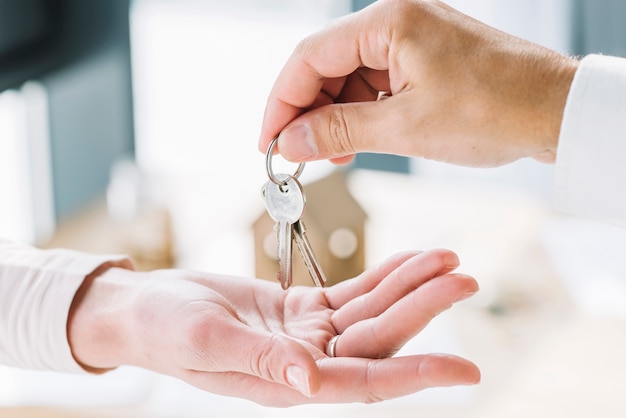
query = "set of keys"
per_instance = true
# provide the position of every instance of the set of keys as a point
(285, 200)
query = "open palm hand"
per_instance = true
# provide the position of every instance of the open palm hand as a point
(248, 338)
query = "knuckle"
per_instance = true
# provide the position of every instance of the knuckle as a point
(372, 395)
(303, 45)
(407, 16)
(339, 132)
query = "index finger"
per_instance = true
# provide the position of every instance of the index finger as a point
(316, 64)
(403, 280)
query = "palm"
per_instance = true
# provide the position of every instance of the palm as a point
(238, 336)
(301, 313)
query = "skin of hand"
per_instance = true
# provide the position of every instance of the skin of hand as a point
(454, 89)
(248, 338)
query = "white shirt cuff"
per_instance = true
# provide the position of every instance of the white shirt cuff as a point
(37, 288)
(591, 156)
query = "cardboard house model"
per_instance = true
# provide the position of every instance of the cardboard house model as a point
(335, 227)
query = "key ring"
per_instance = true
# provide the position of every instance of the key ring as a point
(270, 171)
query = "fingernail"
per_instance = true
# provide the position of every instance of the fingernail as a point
(296, 143)
(468, 294)
(451, 260)
(298, 379)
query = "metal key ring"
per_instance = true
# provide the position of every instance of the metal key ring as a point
(270, 171)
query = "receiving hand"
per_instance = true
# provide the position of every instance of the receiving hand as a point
(248, 338)
(455, 90)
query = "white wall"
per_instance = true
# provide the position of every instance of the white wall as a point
(202, 74)
(15, 205)
(546, 22)
(26, 201)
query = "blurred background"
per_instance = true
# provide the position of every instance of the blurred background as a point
(131, 127)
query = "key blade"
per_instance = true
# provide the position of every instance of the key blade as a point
(285, 237)
(310, 260)
(285, 204)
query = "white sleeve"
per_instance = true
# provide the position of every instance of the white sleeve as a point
(591, 156)
(37, 288)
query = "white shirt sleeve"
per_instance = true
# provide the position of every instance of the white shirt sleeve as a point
(591, 156)
(37, 288)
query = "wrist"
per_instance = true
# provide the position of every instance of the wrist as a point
(99, 319)
(560, 84)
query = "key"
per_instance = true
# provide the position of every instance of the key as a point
(285, 204)
(315, 270)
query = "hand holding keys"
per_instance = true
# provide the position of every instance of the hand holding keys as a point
(284, 201)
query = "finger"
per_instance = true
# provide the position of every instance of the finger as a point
(363, 85)
(408, 276)
(346, 159)
(341, 293)
(272, 357)
(357, 88)
(369, 381)
(335, 52)
(388, 332)
(328, 132)
(340, 129)
(349, 380)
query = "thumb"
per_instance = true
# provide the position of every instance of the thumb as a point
(335, 131)
(272, 357)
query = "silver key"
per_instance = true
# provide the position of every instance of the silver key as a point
(285, 204)
(315, 270)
